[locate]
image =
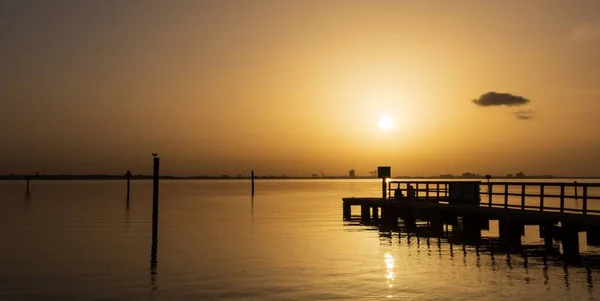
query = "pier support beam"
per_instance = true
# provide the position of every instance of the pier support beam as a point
(347, 211)
(570, 241)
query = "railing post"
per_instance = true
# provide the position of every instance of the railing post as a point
(562, 198)
(522, 196)
(490, 193)
(416, 190)
(427, 191)
(438, 191)
(505, 195)
(542, 197)
(584, 199)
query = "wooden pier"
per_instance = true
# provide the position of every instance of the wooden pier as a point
(561, 210)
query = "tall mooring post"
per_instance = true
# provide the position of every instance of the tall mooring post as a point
(384, 172)
(128, 177)
(154, 248)
(252, 176)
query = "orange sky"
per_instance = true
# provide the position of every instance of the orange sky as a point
(295, 87)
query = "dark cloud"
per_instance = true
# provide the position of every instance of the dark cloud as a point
(525, 114)
(500, 99)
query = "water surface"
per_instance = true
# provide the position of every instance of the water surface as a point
(77, 240)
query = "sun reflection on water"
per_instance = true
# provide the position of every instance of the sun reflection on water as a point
(390, 274)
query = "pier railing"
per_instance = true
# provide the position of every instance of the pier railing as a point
(538, 196)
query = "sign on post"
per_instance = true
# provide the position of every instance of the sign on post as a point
(384, 172)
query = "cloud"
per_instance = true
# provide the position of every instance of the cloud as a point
(524, 114)
(586, 31)
(500, 99)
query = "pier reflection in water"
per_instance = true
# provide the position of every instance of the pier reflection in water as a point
(533, 264)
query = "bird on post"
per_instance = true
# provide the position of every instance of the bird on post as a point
(154, 154)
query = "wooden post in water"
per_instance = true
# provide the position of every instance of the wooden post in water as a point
(155, 209)
(128, 177)
(252, 175)
(27, 178)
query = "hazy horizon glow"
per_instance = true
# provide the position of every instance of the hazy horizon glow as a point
(299, 87)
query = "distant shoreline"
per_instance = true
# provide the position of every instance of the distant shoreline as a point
(167, 177)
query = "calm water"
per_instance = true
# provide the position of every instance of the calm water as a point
(78, 241)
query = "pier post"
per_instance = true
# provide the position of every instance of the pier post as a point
(375, 213)
(365, 214)
(593, 236)
(252, 176)
(436, 226)
(484, 224)
(389, 215)
(410, 222)
(27, 178)
(510, 233)
(347, 211)
(471, 228)
(128, 177)
(383, 188)
(154, 248)
(570, 241)
(547, 232)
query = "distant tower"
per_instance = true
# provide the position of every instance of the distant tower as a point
(352, 173)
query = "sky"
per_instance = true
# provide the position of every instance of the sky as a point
(300, 87)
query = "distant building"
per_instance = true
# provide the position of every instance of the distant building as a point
(352, 173)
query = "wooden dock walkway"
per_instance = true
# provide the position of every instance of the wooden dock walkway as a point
(561, 210)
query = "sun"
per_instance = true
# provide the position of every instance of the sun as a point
(386, 123)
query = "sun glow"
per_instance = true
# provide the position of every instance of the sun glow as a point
(386, 123)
